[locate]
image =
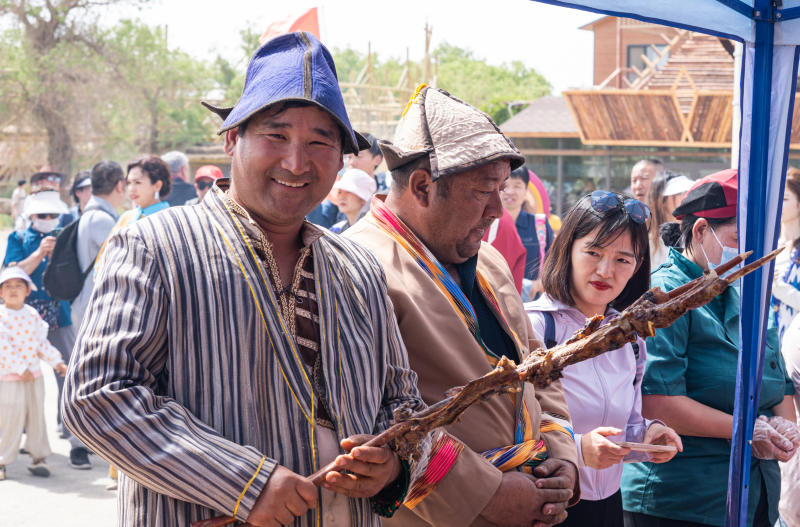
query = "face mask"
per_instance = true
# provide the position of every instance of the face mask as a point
(45, 226)
(727, 255)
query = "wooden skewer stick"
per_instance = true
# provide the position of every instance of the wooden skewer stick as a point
(655, 309)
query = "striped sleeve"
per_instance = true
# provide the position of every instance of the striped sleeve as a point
(112, 397)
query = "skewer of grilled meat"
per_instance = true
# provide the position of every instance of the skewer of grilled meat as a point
(655, 309)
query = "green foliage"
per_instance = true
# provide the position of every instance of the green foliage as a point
(461, 73)
(166, 85)
(53, 71)
(86, 92)
(230, 76)
(486, 86)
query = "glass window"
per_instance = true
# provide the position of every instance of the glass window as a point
(635, 53)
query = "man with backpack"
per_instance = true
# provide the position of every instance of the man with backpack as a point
(96, 223)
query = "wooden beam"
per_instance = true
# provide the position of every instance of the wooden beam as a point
(598, 152)
(646, 92)
(651, 143)
(650, 66)
(658, 52)
(561, 135)
(608, 79)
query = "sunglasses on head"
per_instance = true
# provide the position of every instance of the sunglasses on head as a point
(48, 216)
(603, 201)
(202, 185)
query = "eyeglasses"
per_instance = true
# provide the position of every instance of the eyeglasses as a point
(48, 216)
(202, 185)
(603, 201)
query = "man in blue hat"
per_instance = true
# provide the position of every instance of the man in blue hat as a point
(232, 348)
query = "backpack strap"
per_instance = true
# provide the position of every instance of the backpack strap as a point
(102, 247)
(549, 329)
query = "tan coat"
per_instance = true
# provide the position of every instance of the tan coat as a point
(444, 354)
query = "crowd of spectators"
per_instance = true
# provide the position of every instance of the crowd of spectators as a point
(100, 195)
(674, 227)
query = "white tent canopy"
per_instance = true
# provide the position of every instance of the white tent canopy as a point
(771, 36)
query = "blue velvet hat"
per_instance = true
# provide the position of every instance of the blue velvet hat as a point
(292, 67)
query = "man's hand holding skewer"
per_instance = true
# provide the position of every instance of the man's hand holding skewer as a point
(290, 495)
(372, 468)
(285, 497)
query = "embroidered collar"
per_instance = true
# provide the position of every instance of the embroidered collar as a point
(308, 232)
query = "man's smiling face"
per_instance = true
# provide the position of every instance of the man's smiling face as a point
(285, 163)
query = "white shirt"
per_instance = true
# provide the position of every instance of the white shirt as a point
(659, 256)
(790, 472)
(23, 343)
(603, 391)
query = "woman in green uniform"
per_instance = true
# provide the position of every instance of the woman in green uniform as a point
(690, 381)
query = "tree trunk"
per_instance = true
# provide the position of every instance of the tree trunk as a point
(59, 142)
(48, 107)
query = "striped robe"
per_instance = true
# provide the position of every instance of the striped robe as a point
(184, 378)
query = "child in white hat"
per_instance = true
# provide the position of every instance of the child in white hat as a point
(356, 189)
(23, 343)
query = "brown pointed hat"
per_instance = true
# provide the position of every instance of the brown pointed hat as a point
(455, 135)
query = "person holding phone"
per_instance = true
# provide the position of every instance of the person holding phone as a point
(598, 265)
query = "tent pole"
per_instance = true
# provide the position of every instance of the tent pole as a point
(753, 309)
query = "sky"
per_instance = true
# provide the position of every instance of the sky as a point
(541, 36)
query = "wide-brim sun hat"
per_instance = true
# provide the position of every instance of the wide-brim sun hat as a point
(357, 182)
(713, 197)
(455, 135)
(16, 272)
(292, 67)
(45, 202)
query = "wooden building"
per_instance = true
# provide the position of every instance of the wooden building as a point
(659, 92)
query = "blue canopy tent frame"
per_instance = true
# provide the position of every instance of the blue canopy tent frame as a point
(767, 108)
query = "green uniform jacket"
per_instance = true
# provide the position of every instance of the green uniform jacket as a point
(697, 357)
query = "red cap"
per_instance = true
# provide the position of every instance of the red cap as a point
(209, 171)
(713, 196)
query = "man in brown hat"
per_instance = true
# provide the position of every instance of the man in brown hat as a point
(512, 460)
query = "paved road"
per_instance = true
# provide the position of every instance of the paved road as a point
(69, 497)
